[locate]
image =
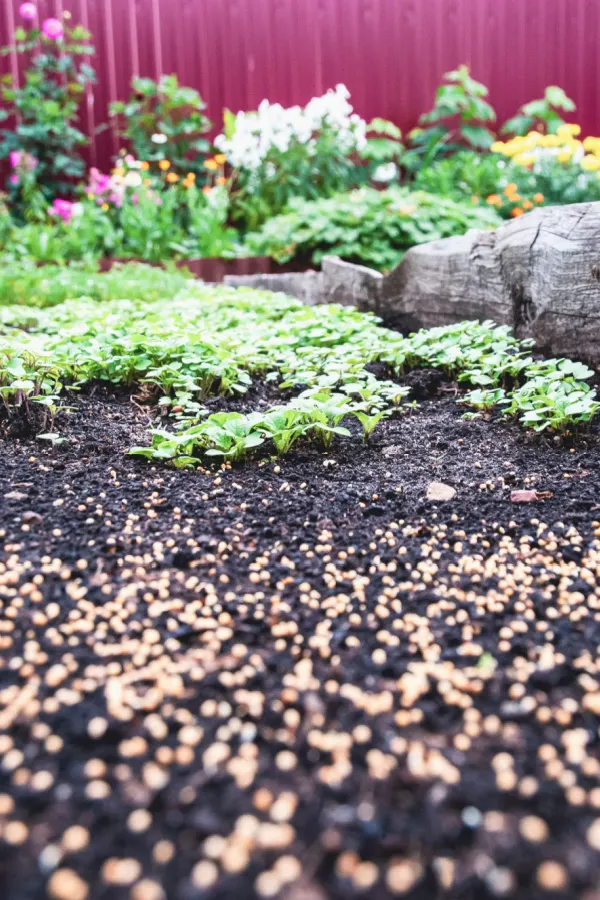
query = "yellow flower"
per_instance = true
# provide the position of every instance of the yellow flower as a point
(211, 165)
(591, 144)
(590, 163)
(498, 147)
(164, 164)
(147, 181)
(119, 171)
(567, 131)
(564, 156)
(552, 140)
(144, 166)
(104, 207)
(220, 159)
(525, 159)
(172, 178)
(191, 176)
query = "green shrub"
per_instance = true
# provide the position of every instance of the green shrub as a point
(164, 120)
(366, 226)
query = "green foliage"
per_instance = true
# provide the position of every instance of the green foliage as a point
(278, 154)
(175, 222)
(459, 118)
(164, 109)
(559, 183)
(384, 146)
(43, 111)
(468, 174)
(366, 226)
(186, 345)
(541, 115)
(22, 282)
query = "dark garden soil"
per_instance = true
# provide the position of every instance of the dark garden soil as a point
(300, 678)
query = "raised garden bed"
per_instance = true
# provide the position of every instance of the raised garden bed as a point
(389, 681)
(297, 676)
(217, 269)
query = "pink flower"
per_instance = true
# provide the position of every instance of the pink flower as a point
(25, 161)
(63, 209)
(28, 12)
(14, 179)
(52, 29)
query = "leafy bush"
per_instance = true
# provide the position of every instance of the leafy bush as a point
(366, 226)
(541, 115)
(131, 213)
(459, 118)
(282, 153)
(164, 119)
(558, 166)
(43, 140)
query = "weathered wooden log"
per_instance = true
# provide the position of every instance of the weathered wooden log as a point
(539, 273)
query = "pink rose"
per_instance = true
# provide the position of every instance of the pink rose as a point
(25, 161)
(52, 29)
(28, 12)
(62, 208)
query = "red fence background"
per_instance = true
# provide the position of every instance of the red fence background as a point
(390, 53)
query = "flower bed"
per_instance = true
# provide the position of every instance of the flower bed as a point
(368, 633)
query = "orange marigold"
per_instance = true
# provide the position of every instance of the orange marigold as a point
(221, 180)
(527, 204)
(144, 166)
(164, 164)
(494, 200)
(210, 164)
(516, 212)
(172, 177)
(220, 159)
(538, 198)
(510, 189)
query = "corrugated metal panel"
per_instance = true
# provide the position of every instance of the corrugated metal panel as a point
(390, 53)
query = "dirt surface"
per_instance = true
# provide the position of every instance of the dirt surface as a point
(300, 678)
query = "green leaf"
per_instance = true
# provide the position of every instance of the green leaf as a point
(477, 136)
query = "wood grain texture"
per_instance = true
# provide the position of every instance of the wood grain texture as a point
(540, 274)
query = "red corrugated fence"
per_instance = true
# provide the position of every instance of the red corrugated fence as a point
(390, 53)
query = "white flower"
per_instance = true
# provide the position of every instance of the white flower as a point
(77, 210)
(272, 128)
(159, 138)
(385, 173)
(132, 179)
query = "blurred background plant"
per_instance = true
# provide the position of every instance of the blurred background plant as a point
(43, 140)
(460, 118)
(541, 115)
(366, 226)
(164, 118)
(279, 153)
